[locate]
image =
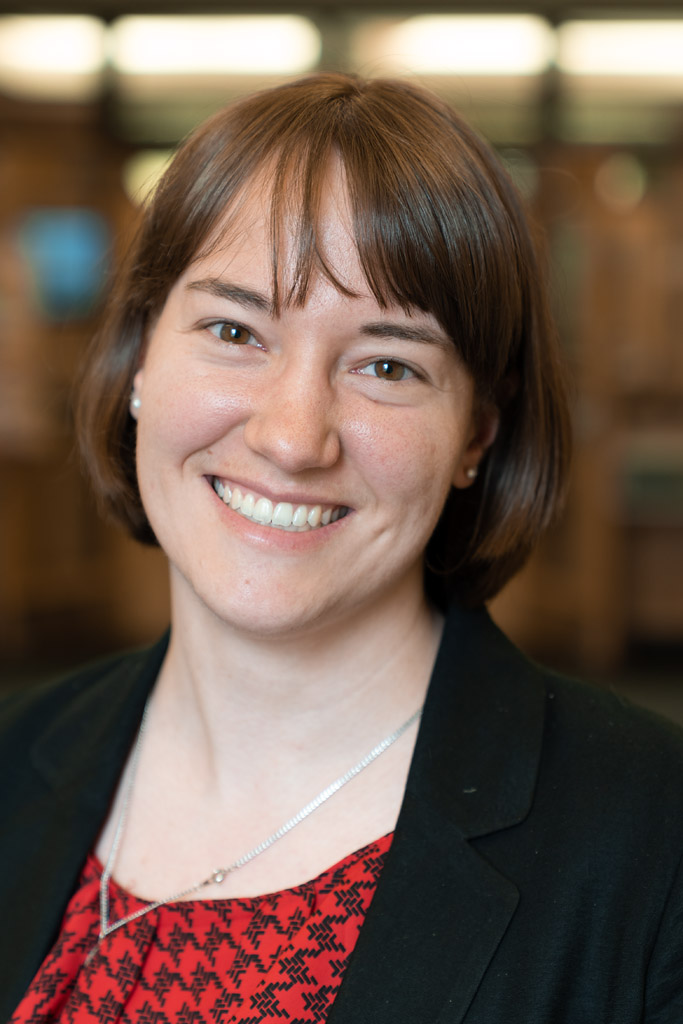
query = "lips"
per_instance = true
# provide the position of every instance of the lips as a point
(283, 515)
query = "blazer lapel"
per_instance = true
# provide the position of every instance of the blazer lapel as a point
(440, 910)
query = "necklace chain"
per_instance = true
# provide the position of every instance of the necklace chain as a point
(219, 875)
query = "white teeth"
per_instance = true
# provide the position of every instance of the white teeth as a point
(283, 515)
(300, 516)
(247, 504)
(263, 510)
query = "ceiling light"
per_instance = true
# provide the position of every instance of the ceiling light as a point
(57, 58)
(468, 45)
(207, 45)
(628, 48)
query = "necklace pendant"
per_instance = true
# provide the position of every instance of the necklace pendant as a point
(218, 876)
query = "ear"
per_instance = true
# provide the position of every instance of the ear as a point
(486, 422)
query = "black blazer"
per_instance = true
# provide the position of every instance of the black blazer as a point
(535, 874)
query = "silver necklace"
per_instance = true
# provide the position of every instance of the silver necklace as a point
(220, 874)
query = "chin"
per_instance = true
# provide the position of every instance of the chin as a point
(272, 622)
(264, 601)
(273, 614)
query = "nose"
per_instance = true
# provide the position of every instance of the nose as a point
(293, 422)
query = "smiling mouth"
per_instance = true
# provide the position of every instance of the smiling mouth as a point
(283, 515)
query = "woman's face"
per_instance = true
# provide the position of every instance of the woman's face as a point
(344, 422)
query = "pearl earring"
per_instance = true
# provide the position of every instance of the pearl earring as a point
(471, 472)
(135, 402)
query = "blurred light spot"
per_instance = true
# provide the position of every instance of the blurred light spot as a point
(467, 45)
(621, 47)
(142, 171)
(206, 45)
(621, 182)
(54, 58)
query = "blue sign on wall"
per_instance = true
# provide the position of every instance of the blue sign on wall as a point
(67, 249)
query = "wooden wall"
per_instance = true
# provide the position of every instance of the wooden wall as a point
(70, 586)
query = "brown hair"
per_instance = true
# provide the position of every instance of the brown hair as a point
(438, 226)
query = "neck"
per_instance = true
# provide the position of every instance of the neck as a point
(360, 675)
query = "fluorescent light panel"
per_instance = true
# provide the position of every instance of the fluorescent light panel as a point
(207, 45)
(621, 48)
(56, 58)
(52, 45)
(468, 45)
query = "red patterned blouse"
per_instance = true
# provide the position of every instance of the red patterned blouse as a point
(236, 961)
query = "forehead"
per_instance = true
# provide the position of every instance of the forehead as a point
(282, 247)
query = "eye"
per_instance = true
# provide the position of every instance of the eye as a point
(235, 333)
(388, 369)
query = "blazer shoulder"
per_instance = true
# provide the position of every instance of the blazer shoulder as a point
(596, 713)
(28, 712)
(599, 742)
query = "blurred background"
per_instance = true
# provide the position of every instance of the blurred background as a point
(585, 107)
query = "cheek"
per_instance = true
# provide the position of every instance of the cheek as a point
(184, 413)
(407, 455)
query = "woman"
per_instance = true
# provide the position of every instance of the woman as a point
(327, 387)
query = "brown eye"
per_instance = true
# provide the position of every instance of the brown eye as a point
(230, 332)
(387, 369)
(234, 333)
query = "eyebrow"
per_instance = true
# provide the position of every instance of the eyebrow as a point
(405, 332)
(376, 329)
(232, 292)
